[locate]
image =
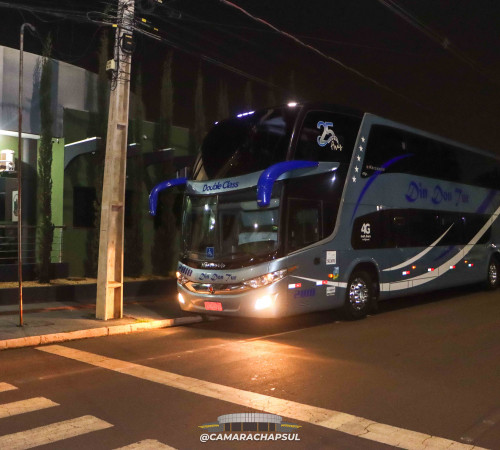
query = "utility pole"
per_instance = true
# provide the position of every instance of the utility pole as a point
(110, 269)
(19, 171)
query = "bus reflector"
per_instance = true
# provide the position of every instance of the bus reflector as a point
(181, 298)
(294, 286)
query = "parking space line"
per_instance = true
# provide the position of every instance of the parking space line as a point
(4, 387)
(52, 433)
(25, 406)
(483, 426)
(147, 444)
(335, 420)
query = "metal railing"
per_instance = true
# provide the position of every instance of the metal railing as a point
(29, 247)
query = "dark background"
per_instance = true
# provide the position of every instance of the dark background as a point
(432, 64)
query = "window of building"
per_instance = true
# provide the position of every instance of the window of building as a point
(83, 206)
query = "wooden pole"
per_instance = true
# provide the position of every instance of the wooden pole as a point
(109, 304)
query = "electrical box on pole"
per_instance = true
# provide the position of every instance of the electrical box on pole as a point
(109, 303)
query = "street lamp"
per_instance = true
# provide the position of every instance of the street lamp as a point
(19, 169)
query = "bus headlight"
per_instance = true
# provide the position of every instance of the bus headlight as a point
(264, 302)
(265, 280)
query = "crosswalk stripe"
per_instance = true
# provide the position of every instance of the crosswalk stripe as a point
(335, 420)
(147, 444)
(4, 387)
(25, 406)
(52, 433)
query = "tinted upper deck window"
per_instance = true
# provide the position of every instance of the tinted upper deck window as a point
(392, 150)
(245, 144)
(327, 136)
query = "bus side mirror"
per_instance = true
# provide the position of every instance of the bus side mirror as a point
(153, 196)
(272, 173)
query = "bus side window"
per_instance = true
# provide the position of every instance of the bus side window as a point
(396, 229)
(304, 223)
(384, 150)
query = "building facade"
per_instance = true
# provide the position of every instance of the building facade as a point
(78, 155)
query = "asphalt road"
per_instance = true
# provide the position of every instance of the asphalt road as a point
(428, 364)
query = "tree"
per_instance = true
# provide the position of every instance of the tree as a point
(199, 110)
(292, 90)
(222, 101)
(248, 95)
(271, 94)
(166, 103)
(163, 256)
(133, 247)
(95, 167)
(46, 229)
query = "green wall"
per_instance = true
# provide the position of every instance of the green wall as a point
(79, 241)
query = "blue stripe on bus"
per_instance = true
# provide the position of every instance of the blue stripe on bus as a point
(489, 198)
(374, 177)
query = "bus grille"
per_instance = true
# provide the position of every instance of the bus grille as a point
(216, 289)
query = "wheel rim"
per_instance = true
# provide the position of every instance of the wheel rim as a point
(493, 274)
(359, 294)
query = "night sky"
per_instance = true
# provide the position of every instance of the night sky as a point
(434, 64)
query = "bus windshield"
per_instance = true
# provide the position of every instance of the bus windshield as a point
(230, 228)
(244, 144)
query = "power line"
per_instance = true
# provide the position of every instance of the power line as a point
(323, 55)
(441, 40)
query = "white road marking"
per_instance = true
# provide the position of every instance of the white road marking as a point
(484, 425)
(4, 387)
(52, 433)
(25, 406)
(335, 420)
(148, 444)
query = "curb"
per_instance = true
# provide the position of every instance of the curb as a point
(31, 341)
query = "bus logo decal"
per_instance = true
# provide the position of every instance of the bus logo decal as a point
(366, 232)
(328, 136)
(185, 270)
(305, 293)
(415, 191)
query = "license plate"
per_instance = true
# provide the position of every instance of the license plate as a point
(213, 306)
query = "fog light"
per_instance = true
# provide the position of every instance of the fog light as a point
(181, 298)
(263, 302)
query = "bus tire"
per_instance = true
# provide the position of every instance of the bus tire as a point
(493, 275)
(360, 295)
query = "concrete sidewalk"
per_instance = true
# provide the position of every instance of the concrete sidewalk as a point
(46, 323)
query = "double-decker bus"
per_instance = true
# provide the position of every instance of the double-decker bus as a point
(308, 207)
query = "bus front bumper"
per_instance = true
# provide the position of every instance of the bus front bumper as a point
(262, 302)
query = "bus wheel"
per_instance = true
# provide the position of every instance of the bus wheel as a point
(493, 279)
(359, 296)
